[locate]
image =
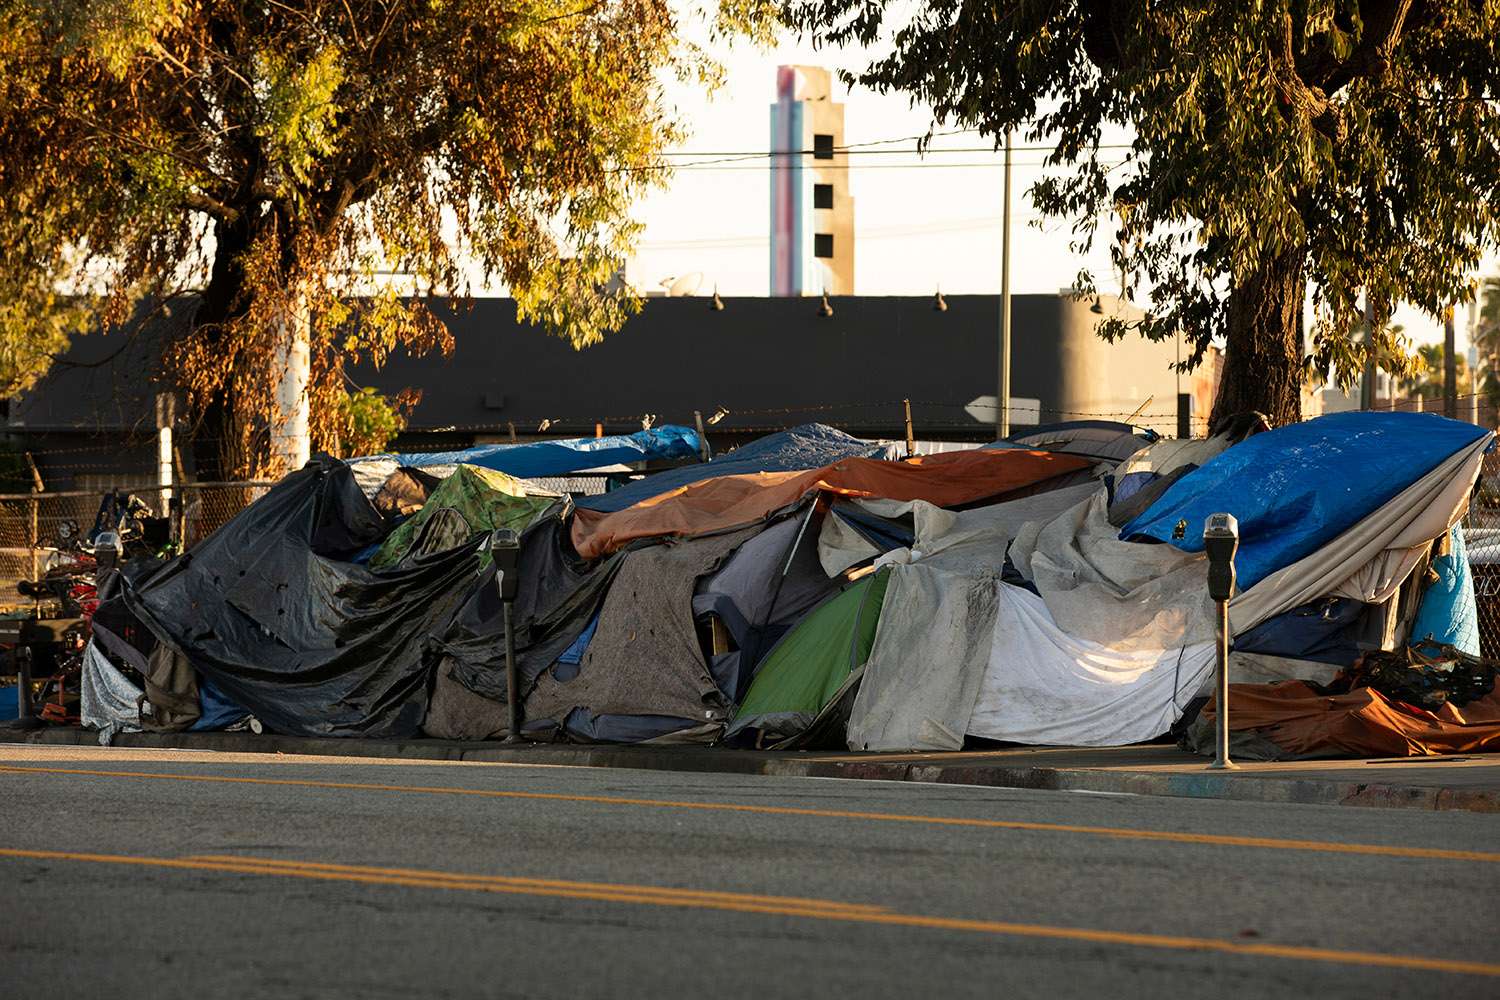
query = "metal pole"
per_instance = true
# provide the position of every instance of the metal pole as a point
(512, 694)
(1450, 366)
(1367, 387)
(702, 438)
(32, 514)
(21, 657)
(1221, 694)
(1002, 416)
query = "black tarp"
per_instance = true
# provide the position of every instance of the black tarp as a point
(560, 592)
(307, 643)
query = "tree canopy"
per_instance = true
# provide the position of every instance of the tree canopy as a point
(1352, 146)
(271, 156)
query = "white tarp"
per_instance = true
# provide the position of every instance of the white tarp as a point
(937, 621)
(1122, 635)
(1044, 686)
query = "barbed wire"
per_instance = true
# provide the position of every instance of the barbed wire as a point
(616, 423)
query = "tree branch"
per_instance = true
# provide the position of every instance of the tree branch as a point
(198, 201)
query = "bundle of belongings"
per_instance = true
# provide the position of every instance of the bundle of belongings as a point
(814, 590)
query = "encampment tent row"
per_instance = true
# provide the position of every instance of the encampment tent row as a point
(812, 589)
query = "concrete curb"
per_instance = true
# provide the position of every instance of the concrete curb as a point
(1169, 781)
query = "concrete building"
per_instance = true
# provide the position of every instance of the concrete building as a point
(812, 212)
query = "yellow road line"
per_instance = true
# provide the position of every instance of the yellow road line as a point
(775, 905)
(542, 883)
(1437, 853)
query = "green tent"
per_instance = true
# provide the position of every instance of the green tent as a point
(814, 660)
(470, 501)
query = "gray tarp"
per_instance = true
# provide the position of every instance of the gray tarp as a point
(935, 628)
(108, 698)
(645, 658)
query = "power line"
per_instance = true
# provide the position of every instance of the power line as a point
(749, 154)
(724, 167)
(863, 235)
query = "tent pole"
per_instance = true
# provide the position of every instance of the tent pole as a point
(771, 608)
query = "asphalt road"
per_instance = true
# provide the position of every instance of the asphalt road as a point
(131, 873)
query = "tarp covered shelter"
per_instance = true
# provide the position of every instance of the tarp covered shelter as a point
(1294, 488)
(1119, 639)
(471, 501)
(949, 479)
(267, 610)
(765, 587)
(810, 446)
(539, 459)
(810, 665)
(644, 674)
(1100, 440)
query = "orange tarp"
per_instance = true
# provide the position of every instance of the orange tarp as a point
(1361, 723)
(946, 480)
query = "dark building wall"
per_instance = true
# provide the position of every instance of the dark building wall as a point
(770, 362)
(774, 363)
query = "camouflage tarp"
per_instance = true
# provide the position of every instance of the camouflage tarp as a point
(471, 501)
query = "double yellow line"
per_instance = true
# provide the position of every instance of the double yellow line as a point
(788, 906)
(1434, 853)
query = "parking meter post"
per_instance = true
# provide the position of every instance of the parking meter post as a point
(1221, 539)
(1221, 694)
(512, 695)
(505, 548)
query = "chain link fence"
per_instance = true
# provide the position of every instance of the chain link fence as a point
(39, 531)
(1482, 544)
(42, 531)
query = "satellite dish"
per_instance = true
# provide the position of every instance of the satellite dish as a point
(685, 285)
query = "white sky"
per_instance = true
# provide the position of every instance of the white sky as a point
(920, 223)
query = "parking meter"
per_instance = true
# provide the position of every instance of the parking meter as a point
(108, 549)
(505, 549)
(1221, 539)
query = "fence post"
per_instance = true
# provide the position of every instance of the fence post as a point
(32, 510)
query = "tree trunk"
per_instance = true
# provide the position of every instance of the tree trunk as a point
(215, 429)
(1263, 350)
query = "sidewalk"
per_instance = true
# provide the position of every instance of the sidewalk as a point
(1469, 783)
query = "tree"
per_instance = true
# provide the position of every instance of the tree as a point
(1353, 146)
(271, 156)
(1426, 379)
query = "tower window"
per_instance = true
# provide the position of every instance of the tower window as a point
(822, 196)
(822, 244)
(822, 147)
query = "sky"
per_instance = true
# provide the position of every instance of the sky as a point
(921, 222)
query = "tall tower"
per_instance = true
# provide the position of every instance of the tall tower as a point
(812, 214)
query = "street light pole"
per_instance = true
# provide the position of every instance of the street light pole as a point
(1002, 415)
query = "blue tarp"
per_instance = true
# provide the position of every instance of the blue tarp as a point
(1321, 630)
(810, 446)
(1449, 613)
(1294, 488)
(559, 458)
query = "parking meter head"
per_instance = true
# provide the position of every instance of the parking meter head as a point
(505, 548)
(1221, 539)
(108, 549)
